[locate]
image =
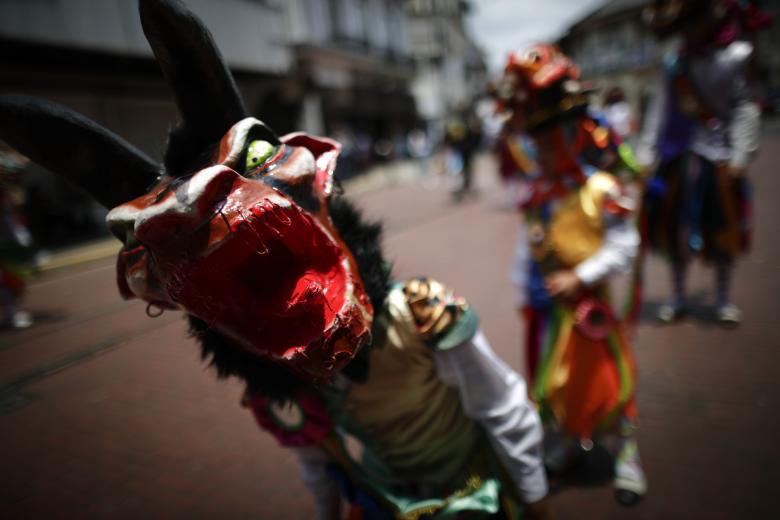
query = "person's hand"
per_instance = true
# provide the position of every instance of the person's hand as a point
(539, 510)
(563, 284)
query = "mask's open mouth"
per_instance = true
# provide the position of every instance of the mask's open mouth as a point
(278, 279)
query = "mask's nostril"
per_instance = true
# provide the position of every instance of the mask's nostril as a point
(123, 231)
(118, 232)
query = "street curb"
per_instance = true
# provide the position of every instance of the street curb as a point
(79, 254)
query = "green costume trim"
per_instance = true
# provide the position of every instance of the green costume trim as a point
(443, 319)
(478, 496)
(461, 331)
(627, 156)
(553, 328)
(626, 383)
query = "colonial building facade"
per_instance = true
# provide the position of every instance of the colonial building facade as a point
(614, 48)
(450, 70)
(317, 65)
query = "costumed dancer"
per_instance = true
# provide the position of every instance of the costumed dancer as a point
(598, 147)
(578, 233)
(286, 288)
(16, 243)
(462, 138)
(700, 133)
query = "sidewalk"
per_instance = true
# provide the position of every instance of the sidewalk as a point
(87, 252)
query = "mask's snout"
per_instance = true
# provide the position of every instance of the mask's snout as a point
(184, 207)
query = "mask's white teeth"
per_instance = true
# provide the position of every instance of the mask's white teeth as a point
(254, 219)
(280, 215)
(278, 200)
(257, 211)
(269, 210)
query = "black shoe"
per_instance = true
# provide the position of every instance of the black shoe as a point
(627, 498)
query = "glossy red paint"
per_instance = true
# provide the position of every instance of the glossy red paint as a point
(240, 254)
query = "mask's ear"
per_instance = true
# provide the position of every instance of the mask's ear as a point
(109, 168)
(205, 92)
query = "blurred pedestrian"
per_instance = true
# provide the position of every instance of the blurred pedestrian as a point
(342, 132)
(419, 146)
(578, 234)
(463, 137)
(16, 244)
(618, 112)
(700, 134)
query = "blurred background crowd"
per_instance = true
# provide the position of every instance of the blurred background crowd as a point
(388, 79)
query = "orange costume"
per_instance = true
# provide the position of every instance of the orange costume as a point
(578, 233)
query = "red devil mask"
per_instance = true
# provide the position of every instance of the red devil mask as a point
(539, 84)
(247, 245)
(540, 66)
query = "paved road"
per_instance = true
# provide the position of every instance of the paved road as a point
(107, 413)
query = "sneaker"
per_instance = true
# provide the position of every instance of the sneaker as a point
(670, 312)
(729, 315)
(630, 483)
(21, 320)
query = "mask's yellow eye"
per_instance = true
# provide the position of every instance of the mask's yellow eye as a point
(259, 151)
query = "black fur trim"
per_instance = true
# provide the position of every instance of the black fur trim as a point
(260, 375)
(364, 240)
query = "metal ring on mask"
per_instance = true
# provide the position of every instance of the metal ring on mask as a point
(151, 313)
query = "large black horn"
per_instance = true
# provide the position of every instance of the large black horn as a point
(109, 168)
(206, 94)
